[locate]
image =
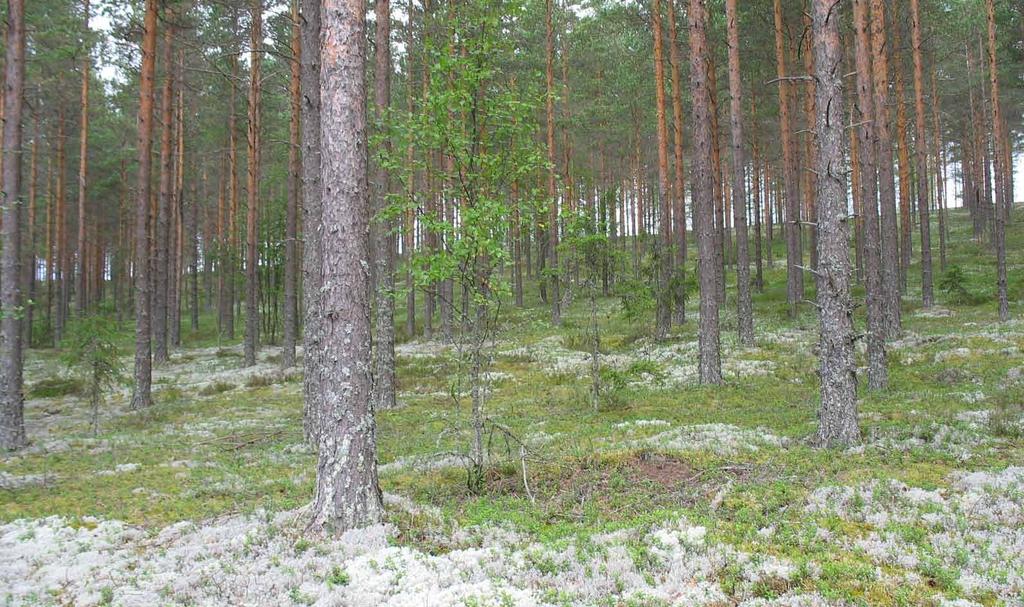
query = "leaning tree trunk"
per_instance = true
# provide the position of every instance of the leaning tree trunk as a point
(384, 353)
(878, 374)
(141, 397)
(921, 155)
(744, 312)
(1002, 196)
(252, 310)
(837, 418)
(710, 359)
(794, 255)
(312, 223)
(12, 420)
(347, 491)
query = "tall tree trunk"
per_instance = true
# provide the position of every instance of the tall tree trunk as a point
(549, 101)
(347, 491)
(744, 312)
(903, 160)
(757, 202)
(162, 261)
(231, 257)
(1002, 195)
(710, 360)
(858, 210)
(141, 397)
(940, 172)
(837, 417)
(884, 163)
(794, 254)
(174, 284)
(253, 139)
(679, 191)
(809, 210)
(312, 219)
(409, 232)
(921, 153)
(12, 418)
(664, 298)
(28, 262)
(718, 189)
(83, 165)
(291, 248)
(867, 146)
(60, 233)
(384, 360)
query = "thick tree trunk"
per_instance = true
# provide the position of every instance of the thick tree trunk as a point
(291, 245)
(384, 353)
(837, 417)
(141, 397)
(921, 154)
(12, 419)
(744, 311)
(664, 297)
(312, 220)
(878, 374)
(253, 139)
(794, 254)
(884, 164)
(347, 491)
(710, 360)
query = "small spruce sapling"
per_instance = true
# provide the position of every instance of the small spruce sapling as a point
(90, 353)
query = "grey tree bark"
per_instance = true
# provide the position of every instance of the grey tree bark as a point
(384, 354)
(12, 420)
(744, 312)
(710, 359)
(312, 221)
(347, 490)
(837, 417)
(878, 373)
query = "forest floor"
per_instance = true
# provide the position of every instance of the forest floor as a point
(669, 494)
